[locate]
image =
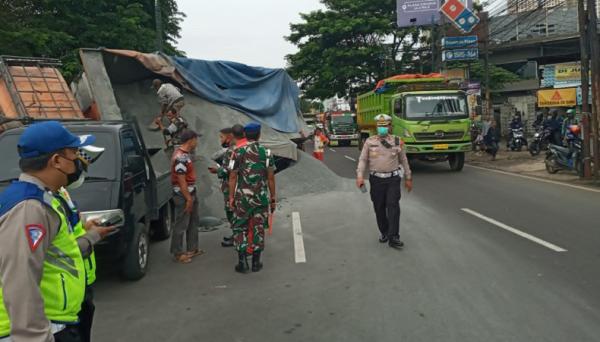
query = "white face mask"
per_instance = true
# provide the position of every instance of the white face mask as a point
(78, 183)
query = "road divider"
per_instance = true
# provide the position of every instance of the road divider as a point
(515, 231)
(350, 158)
(299, 253)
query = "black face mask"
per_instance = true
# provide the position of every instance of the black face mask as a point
(225, 145)
(79, 169)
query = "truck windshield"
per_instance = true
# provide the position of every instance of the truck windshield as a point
(345, 119)
(103, 168)
(436, 106)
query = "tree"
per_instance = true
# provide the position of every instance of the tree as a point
(498, 75)
(58, 28)
(346, 48)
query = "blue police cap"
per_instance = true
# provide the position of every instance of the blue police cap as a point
(252, 127)
(49, 136)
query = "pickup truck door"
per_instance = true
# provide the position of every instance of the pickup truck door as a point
(135, 176)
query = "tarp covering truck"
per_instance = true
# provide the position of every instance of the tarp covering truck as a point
(429, 114)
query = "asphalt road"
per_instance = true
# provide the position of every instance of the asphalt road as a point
(488, 257)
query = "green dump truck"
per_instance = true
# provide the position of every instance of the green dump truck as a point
(342, 128)
(430, 115)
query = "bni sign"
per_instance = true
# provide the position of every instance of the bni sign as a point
(417, 12)
(460, 55)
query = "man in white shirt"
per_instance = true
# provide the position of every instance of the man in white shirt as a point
(169, 98)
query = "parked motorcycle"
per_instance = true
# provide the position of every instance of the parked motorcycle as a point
(568, 158)
(541, 140)
(517, 139)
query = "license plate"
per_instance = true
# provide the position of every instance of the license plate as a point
(440, 147)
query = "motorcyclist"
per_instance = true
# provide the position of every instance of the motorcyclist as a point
(539, 120)
(570, 120)
(553, 125)
(516, 123)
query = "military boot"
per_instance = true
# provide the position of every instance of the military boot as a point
(256, 264)
(242, 266)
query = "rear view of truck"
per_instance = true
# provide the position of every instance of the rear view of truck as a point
(429, 114)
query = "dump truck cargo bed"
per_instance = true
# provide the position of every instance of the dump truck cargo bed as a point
(35, 88)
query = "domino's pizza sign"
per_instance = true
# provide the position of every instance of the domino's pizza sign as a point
(462, 17)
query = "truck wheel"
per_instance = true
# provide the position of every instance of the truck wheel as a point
(456, 161)
(162, 228)
(136, 259)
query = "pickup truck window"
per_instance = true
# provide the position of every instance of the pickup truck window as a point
(103, 168)
(131, 146)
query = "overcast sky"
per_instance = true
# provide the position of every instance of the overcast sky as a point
(246, 31)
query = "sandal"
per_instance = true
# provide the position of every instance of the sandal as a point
(183, 259)
(194, 253)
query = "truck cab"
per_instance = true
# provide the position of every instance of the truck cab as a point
(431, 117)
(342, 128)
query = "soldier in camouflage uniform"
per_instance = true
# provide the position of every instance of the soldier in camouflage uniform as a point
(252, 195)
(228, 138)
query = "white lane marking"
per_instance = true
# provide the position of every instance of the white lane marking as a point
(350, 158)
(536, 179)
(515, 231)
(299, 253)
(332, 150)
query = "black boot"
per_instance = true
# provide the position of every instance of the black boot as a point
(256, 264)
(242, 266)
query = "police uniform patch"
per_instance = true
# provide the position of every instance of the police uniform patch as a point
(35, 233)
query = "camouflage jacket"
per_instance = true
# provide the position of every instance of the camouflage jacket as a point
(223, 170)
(252, 163)
(176, 126)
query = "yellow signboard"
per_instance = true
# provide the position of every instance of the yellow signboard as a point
(568, 72)
(566, 97)
(456, 74)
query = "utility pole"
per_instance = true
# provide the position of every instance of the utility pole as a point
(433, 42)
(486, 67)
(595, 66)
(585, 72)
(158, 18)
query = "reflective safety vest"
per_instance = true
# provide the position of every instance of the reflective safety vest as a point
(73, 216)
(63, 280)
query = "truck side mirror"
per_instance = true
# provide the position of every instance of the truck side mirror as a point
(135, 163)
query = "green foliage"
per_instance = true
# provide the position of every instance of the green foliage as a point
(498, 75)
(306, 106)
(346, 48)
(58, 28)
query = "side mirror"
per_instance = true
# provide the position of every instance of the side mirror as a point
(135, 162)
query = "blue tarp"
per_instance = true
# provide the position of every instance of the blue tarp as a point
(267, 95)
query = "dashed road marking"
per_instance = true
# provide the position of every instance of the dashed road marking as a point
(332, 150)
(515, 231)
(350, 158)
(299, 253)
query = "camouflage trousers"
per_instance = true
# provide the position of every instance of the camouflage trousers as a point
(249, 229)
(228, 211)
